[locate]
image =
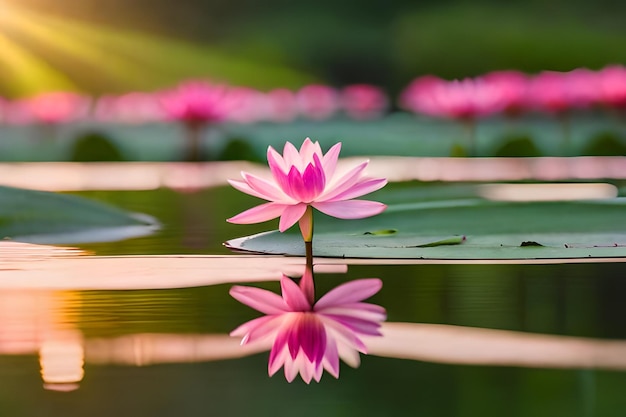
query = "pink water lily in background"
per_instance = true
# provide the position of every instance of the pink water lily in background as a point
(465, 99)
(199, 102)
(251, 105)
(364, 101)
(197, 105)
(612, 86)
(308, 337)
(281, 105)
(49, 108)
(4, 105)
(134, 108)
(513, 89)
(317, 102)
(557, 92)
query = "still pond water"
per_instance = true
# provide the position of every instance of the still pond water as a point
(461, 339)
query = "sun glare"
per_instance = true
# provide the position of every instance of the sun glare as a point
(5, 10)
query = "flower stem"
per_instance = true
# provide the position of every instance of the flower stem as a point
(193, 149)
(566, 131)
(306, 228)
(308, 246)
(470, 126)
(306, 225)
(307, 284)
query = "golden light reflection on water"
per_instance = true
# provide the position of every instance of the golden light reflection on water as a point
(61, 358)
(41, 309)
(52, 325)
(12, 252)
(44, 323)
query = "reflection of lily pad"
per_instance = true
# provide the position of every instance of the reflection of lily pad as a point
(493, 230)
(43, 217)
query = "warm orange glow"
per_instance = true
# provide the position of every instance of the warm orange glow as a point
(24, 73)
(6, 12)
(42, 322)
(26, 252)
(36, 319)
(24, 317)
(61, 358)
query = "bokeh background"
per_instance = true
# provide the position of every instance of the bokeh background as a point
(115, 46)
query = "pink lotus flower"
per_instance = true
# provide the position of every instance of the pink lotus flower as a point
(612, 81)
(198, 102)
(561, 91)
(308, 337)
(513, 87)
(4, 105)
(317, 102)
(135, 107)
(282, 105)
(364, 101)
(251, 108)
(304, 179)
(465, 99)
(50, 108)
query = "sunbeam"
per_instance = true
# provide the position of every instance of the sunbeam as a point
(43, 52)
(26, 74)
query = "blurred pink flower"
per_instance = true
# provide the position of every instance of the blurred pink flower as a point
(612, 86)
(317, 102)
(465, 99)
(134, 107)
(364, 101)
(199, 103)
(4, 105)
(282, 105)
(50, 108)
(308, 178)
(251, 105)
(308, 337)
(557, 92)
(582, 86)
(513, 88)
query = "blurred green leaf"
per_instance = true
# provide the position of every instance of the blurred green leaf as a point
(44, 217)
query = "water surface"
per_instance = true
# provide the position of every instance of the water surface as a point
(148, 334)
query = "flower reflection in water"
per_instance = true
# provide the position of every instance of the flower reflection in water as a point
(307, 336)
(47, 312)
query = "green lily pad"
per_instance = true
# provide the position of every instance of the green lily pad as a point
(51, 218)
(464, 229)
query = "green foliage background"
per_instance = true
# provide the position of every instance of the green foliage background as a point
(276, 42)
